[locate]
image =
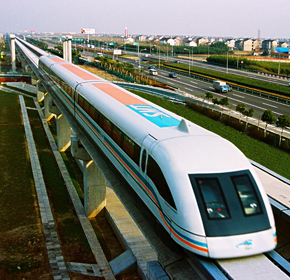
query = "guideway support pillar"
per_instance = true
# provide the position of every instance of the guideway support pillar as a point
(94, 181)
(40, 91)
(48, 115)
(63, 128)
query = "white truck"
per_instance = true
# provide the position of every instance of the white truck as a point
(220, 86)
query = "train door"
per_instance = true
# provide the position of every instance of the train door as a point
(147, 145)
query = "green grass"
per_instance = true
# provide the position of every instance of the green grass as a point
(15, 168)
(69, 227)
(260, 152)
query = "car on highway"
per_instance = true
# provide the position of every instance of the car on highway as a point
(151, 67)
(228, 87)
(172, 75)
(153, 72)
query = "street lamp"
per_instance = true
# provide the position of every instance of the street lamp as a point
(140, 58)
(228, 61)
(188, 60)
(158, 49)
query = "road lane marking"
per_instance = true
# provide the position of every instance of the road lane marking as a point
(270, 105)
(238, 95)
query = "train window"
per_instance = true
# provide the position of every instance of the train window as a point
(80, 101)
(131, 149)
(86, 106)
(106, 125)
(247, 195)
(93, 113)
(155, 174)
(213, 198)
(117, 135)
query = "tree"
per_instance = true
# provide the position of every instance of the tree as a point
(241, 109)
(268, 118)
(248, 113)
(282, 122)
(215, 101)
(208, 95)
(224, 101)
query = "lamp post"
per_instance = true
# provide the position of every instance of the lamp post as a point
(140, 58)
(228, 61)
(158, 49)
(188, 60)
(159, 57)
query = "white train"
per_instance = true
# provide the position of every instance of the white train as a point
(199, 186)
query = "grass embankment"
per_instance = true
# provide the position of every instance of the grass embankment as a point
(23, 253)
(242, 81)
(270, 157)
(22, 246)
(73, 241)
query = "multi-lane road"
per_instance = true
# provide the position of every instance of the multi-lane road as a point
(199, 88)
(196, 87)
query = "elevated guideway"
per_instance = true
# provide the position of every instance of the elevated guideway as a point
(259, 264)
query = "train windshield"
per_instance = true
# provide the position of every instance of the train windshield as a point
(247, 195)
(213, 198)
(230, 203)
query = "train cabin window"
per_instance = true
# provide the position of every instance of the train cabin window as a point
(247, 195)
(80, 101)
(117, 135)
(106, 125)
(93, 113)
(132, 149)
(86, 106)
(156, 175)
(213, 198)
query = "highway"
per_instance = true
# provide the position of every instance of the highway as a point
(199, 88)
(205, 65)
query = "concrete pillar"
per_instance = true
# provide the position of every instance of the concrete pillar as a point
(69, 52)
(13, 55)
(48, 115)
(94, 181)
(64, 48)
(63, 130)
(40, 91)
(94, 189)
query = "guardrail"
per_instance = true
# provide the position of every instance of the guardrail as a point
(175, 96)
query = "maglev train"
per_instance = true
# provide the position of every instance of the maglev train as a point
(199, 186)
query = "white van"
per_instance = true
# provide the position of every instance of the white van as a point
(153, 72)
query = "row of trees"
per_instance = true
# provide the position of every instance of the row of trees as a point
(268, 117)
(236, 62)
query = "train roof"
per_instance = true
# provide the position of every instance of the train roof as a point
(140, 117)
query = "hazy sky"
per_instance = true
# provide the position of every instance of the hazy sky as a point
(231, 18)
